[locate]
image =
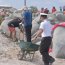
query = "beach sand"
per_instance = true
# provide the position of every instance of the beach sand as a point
(9, 51)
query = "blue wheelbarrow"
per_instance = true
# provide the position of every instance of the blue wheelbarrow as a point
(28, 50)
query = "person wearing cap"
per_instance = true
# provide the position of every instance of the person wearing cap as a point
(45, 32)
(27, 16)
(12, 25)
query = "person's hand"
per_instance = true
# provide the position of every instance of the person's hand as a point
(34, 35)
(33, 39)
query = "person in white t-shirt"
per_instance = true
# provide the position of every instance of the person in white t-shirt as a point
(45, 32)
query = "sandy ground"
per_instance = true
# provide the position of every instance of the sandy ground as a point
(9, 51)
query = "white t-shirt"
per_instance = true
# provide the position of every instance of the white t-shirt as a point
(46, 26)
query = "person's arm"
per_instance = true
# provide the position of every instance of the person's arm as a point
(37, 34)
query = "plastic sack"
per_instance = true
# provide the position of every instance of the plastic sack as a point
(59, 42)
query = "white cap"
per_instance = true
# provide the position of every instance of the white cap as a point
(43, 14)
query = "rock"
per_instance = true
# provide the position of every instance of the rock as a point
(60, 17)
(59, 42)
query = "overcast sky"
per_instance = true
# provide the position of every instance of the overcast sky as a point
(39, 3)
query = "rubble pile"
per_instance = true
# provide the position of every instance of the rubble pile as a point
(8, 49)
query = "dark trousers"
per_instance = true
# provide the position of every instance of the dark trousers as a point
(28, 33)
(44, 48)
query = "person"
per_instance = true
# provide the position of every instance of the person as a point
(45, 32)
(12, 25)
(27, 15)
(60, 9)
(54, 10)
(42, 10)
(46, 11)
(63, 9)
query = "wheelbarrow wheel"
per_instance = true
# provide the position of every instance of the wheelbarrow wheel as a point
(21, 55)
(31, 55)
(28, 55)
